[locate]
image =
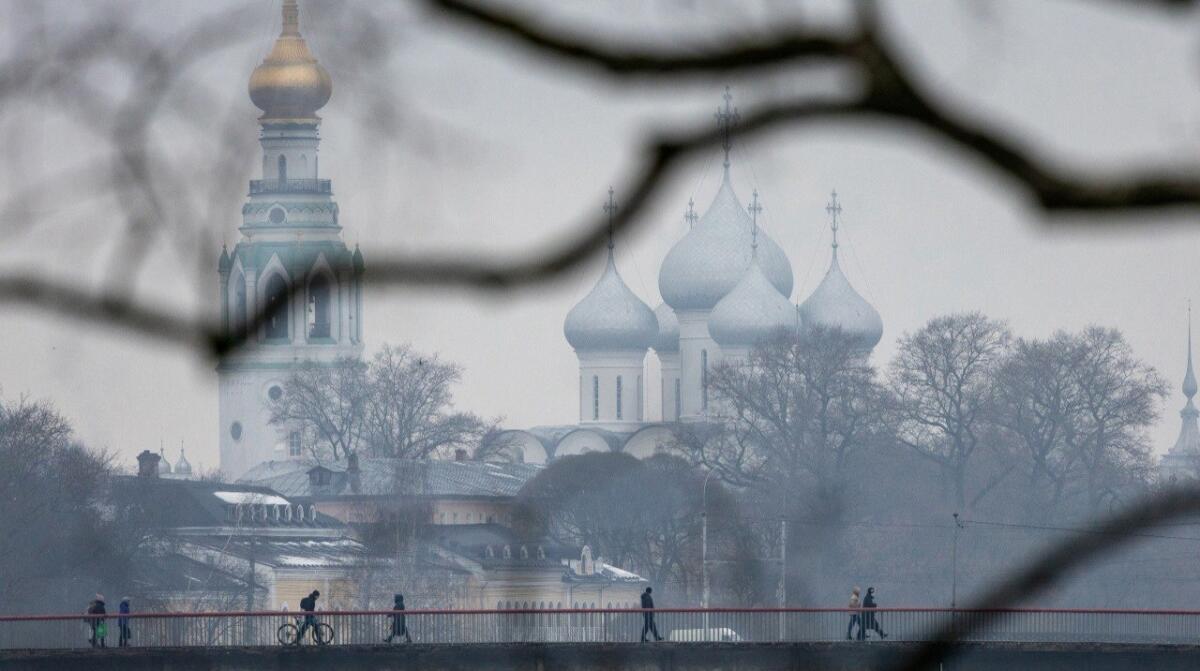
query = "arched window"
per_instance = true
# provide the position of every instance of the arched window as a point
(276, 309)
(239, 306)
(678, 400)
(303, 166)
(295, 448)
(318, 307)
(282, 171)
(704, 379)
(524, 552)
(618, 397)
(595, 397)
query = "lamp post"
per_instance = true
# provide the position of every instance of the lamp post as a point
(958, 525)
(704, 549)
(704, 541)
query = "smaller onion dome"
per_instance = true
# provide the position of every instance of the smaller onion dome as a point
(611, 317)
(752, 312)
(836, 305)
(667, 341)
(182, 467)
(359, 266)
(224, 263)
(290, 85)
(164, 466)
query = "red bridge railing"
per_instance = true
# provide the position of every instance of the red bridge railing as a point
(683, 625)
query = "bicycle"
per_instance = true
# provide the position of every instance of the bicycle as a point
(289, 633)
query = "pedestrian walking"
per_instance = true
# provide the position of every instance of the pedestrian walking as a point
(95, 620)
(869, 621)
(399, 625)
(123, 623)
(855, 616)
(648, 626)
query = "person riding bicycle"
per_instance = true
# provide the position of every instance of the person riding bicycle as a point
(308, 604)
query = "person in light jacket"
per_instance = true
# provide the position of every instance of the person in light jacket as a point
(855, 616)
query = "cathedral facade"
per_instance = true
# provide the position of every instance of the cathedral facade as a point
(290, 286)
(726, 287)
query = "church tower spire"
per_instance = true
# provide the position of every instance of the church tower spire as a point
(1183, 459)
(290, 274)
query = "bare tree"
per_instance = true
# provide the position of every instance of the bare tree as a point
(791, 416)
(1037, 402)
(942, 378)
(54, 544)
(410, 410)
(327, 404)
(1119, 397)
(643, 515)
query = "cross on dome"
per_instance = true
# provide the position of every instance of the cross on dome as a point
(834, 208)
(690, 216)
(754, 208)
(610, 208)
(727, 120)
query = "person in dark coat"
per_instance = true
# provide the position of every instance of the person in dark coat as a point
(869, 621)
(399, 626)
(98, 625)
(123, 623)
(648, 626)
(308, 604)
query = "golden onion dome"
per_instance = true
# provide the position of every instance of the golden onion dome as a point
(290, 85)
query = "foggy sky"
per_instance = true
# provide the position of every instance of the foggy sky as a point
(497, 150)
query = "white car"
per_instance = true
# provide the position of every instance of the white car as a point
(715, 634)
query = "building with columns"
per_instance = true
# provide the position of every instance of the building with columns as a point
(290, 265)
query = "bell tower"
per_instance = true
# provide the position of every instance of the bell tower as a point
(290, 261)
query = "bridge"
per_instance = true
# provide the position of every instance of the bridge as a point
(696, 639)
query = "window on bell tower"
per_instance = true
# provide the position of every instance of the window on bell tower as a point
(282, 170)
(239, 306)
(319, 308)
(618, 397)
(276, 308)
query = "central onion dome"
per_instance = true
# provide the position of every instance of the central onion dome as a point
(611, 317)
(836, 305)
(712, 258)
(667, 341)
(290, 85)
(752, 312)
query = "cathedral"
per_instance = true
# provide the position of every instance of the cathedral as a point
(290, 263)
(726, 286)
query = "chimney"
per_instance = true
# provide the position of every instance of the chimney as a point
(148, 464)
(353, 474)
(460, 454)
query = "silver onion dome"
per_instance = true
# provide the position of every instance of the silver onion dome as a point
(611, 317)
(711, 259)
(668, 330)
(836, 305)
(752, 312)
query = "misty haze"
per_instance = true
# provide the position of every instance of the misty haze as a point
(631, 335)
